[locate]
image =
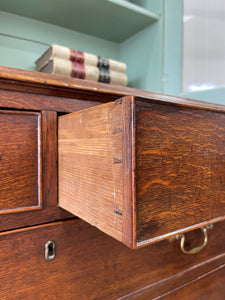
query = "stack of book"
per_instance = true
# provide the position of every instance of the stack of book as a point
(69, 62)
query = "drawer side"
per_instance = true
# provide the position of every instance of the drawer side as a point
(92, 166)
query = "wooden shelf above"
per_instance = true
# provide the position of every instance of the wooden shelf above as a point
(113, 20)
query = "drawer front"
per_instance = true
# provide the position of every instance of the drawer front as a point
(180, 158)
(20, 161)
(142, 171)
(210, 286)
(91, 265)
(28, 169)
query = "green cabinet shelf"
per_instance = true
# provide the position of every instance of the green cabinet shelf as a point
(113, 20)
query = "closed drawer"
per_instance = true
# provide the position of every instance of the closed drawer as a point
(90, 265)
(142, 171)
(208, 286)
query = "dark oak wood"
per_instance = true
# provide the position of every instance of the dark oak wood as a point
(210, 286)
(90, 265)
(29, 81)
(180, 161)
(129, 186)
(28, 101)
(20, 161)
(206, 281)
(49, 194)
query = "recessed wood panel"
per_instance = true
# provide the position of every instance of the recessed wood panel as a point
(20, 161)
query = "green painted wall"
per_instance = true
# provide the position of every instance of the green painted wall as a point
(173, 42)
(23, 40)
(153, 55)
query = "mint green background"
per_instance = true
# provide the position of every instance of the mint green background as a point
(146, 34)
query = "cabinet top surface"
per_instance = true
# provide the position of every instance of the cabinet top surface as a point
(45, 81)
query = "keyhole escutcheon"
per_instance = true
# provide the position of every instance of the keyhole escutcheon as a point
(50, 252)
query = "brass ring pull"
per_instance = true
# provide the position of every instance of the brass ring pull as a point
(196, 249)
(181, 236)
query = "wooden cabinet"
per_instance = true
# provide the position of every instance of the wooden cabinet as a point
(143, 166)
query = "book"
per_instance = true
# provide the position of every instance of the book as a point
(79, 57)
(65, 67)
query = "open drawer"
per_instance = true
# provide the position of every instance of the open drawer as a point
(142, 171)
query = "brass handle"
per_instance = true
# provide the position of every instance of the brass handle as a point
(196, 249)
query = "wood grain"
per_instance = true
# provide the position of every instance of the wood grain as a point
(27, 101)
(96, 167)
(48, 164)
(204, 281)
(20, 161)
(91, 166)
(129, 165)
(37, 82)
(210, 286)
(179, 170)
(186, 280)
(91, 265)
